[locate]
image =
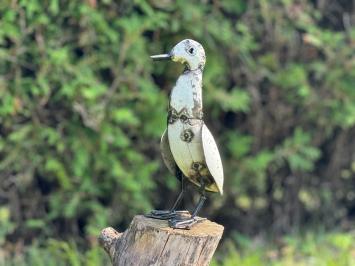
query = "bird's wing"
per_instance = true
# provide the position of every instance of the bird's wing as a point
(166, 153)
(212, 157)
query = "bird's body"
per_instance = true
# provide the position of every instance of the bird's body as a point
(184, 133)
(188, 147)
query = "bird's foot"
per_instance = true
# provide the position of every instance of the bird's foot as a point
(166, 214)
(184, 223)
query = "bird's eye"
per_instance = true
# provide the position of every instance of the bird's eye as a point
(191, 50)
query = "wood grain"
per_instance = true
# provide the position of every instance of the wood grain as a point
(152, 242)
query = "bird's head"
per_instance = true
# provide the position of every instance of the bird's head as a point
(188, 52)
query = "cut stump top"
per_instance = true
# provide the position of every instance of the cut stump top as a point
(202, 229)
(150, 241)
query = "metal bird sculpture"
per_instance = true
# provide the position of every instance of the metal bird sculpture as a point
(187, 146)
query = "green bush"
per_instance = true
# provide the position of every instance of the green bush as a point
(332, 249)
(56, 252)
(82, 108)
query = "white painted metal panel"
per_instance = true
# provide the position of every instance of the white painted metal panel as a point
(213, 159)
(166, 153)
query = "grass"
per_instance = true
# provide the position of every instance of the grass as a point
(330, 249)
(56, 253)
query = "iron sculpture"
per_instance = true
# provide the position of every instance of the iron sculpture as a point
(188, 148)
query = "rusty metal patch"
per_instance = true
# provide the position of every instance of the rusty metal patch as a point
(183, 116)
(187, 135)
(172, 116)
(198, 166)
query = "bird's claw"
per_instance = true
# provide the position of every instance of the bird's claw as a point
(185, 223)
(166, 214)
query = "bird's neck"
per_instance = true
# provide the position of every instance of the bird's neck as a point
(186, 96)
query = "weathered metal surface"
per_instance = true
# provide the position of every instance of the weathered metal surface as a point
(213, 159)
(166, 153)
(188, 148)
(186, 140)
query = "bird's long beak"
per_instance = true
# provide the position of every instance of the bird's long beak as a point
(160, 57)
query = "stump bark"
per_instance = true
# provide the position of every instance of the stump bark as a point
(150, 241)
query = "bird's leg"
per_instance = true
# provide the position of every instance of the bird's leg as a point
(179, 198)
(168, 214)
(199, 205)
(187, 223)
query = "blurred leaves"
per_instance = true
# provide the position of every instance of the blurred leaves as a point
(298, 151)
(237, 100)
(305, 249)
(6, 226)
(82, 109)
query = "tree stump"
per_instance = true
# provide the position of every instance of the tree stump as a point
(150, 241)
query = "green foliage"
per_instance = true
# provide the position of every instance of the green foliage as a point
(298, 151)
(236, 100)
(55, 252)
(6, 226)
(310, 249)
(82, 108)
